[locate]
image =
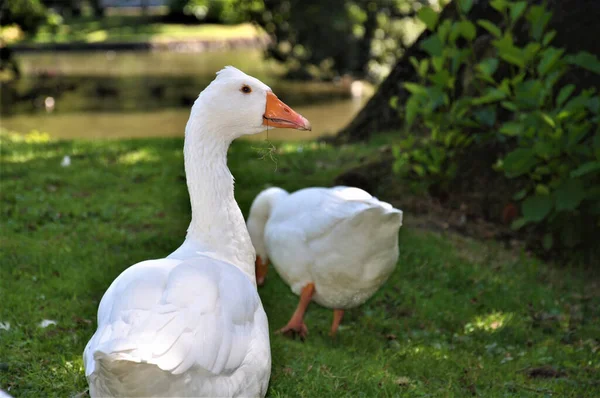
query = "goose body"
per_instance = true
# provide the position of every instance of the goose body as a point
(341, 241)
(156, 339)
(192, 324)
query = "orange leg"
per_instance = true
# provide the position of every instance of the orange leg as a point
(337, 319)
(296, 324)
(262, 266)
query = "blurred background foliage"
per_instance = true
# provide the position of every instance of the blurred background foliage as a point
(317, 39)
(313, 39)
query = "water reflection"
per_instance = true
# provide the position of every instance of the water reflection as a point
(138, 94)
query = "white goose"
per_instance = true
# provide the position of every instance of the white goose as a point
(192, 324)
(335, 246)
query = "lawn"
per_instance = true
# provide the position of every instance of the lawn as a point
(457, 318)
(132, 28)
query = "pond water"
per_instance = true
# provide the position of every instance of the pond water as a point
(148, 94)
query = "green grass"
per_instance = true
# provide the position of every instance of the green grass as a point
(128, 28)
(457, 318)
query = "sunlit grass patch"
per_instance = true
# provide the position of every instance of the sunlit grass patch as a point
(488, 323)
(142, 155)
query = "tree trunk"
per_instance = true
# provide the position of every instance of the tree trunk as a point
(575, 21)
(98, 8)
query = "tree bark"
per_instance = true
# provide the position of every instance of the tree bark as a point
(575, 21)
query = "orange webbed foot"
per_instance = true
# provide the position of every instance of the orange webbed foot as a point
(296, 325)
(293, 329)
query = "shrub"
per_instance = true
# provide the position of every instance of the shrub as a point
(511, 98)
(28, 14)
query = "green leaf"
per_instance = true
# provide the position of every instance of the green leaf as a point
(458, 59)
(465, 5)
(548, 37)
(414, 62)
(564, 94)
(542, 189)
(512, 55)
(436, 97)
(515, 80)
(490, 27)
(442, 78)
(488, 66)
(399, 166)
(549, 58)
(538, 18)
(491, 95)
(519, 223)
(546, 118)
(537, 207)
(585, 60)
(437, 63)
(569, 195)
(394, 102)
(547, 241)
(586, 168)
(443, 30)
(499, 5)
(509, 105)
(454, 32)
(433, 46)
(519, 162)
(429, 17)
(543, 149)
(420, 170)
(512, 128)
(468, 30)
(530, 51)
(521, 194)
(508, 52)
(517, 9)
(415, 88)
(529, 93)
(423, 67)
(411, 109)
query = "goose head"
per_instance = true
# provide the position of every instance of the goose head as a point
(236, 104)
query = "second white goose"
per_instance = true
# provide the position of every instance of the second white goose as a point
(335, 246)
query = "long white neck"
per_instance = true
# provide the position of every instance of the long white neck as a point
(217, 226)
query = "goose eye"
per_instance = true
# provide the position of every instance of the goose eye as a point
(246, 89)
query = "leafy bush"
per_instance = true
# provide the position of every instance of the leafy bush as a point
(222, 11)
(28, 14)
(511, 97)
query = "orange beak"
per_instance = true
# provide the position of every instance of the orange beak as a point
(261, 270)
(278, 114)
